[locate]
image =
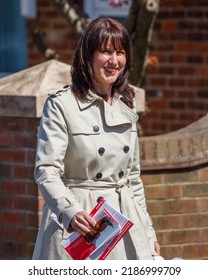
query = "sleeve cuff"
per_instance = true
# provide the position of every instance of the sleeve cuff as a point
(68, 214)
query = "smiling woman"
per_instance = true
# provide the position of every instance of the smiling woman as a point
(88, 148)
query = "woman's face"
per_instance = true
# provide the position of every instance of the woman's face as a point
(108, 64)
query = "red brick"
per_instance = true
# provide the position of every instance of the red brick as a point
(170, 26)
(194, 220)
(13, 250)
(186, 70)
(12, 156)
(13, 187)
(159, 105)
(32, 220)
(177, 58)
(30, 156)
(31, 236)
(196, 190)
(176, 82)
(202, 70)
(13, 217)
(32, 189)
(5, 140)
(26, 140)
(203, 174)
(196, 252)
(152, 179)
(8, 233)
(180, 236)
(177, 177)
(171, 4)
(204, 235)
(23, 202)
(196, 82)
(23, 172)
(171, 251)
(5, 202)
(203, 204)
(167, 222)
(164, 192)
(16, 125)
(5, 170)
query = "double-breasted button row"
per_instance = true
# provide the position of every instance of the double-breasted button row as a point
(101, 151)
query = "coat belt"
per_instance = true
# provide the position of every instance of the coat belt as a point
(138, 231)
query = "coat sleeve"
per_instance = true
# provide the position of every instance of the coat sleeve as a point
(138, 190)
(49, 164)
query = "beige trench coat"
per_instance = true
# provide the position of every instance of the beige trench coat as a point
(86, 150)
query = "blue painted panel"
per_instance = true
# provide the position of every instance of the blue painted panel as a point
(13, 41)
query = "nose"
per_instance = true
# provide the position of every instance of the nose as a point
(113, 58)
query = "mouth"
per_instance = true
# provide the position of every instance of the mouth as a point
(111, 71)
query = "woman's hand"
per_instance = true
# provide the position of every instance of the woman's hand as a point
(157, 248)
(82, 223)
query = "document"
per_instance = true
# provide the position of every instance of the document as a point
(96, 245)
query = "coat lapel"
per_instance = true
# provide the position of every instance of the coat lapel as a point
(116, 114)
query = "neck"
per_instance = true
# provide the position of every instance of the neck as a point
(103, 91)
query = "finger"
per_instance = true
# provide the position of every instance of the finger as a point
(79, 218)
(91, 221)
(83, 222)
(86, 220)
(81, 225)
(80, 228)
(157, 248)
(83, 229)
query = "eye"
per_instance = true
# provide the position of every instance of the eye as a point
(121, 52)
(105, 51)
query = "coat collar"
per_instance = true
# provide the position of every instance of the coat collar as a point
(116, 114)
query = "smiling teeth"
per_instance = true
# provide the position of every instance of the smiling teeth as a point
(111, 69)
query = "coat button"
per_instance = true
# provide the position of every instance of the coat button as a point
(126, 149)
(120, 174)
(99, 175)
(96, 128)
(66, 86)
(101, 151)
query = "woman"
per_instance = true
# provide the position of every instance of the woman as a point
(88, 148)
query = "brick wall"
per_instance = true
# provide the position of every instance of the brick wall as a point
(19, 202)
(178, 203)
(175, 174)
(176, 89)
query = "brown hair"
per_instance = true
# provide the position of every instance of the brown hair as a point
(95, 35)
